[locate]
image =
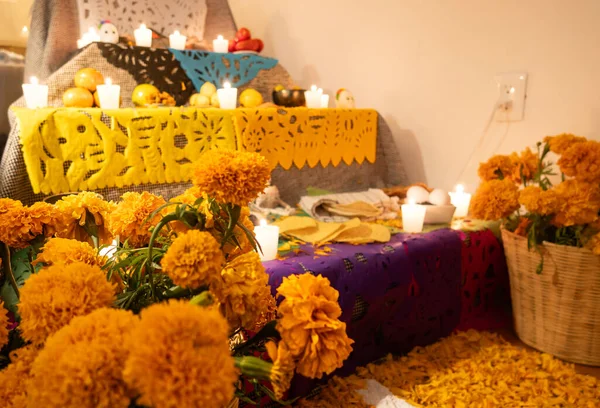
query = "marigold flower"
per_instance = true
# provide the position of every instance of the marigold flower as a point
(232, 176)
(495, 199)
(525, 165)
(19, 224)
(497, 167)
(243, 290)
(67, 251)
(560, 143)
(73, 211)
(130, 218)
(523, 226)
(194, 259)
(283, 368)
(539, 201)
(82, 364)
(3, 325)
(578, 203)
(16, 377)
(187, 363)
(309, 325)
(594, 244)
(582, 161)
(57, 294)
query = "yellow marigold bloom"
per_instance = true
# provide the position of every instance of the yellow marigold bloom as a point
(495, 199)
(283, 368)
(67, 251)
(3, 326)
(73, 211)
(243, 291)
(582, 161)
(82, 364)
(539, 201)
(309, 325)
(130, 218)
(232, 176)
(578, 203)
(594, 244)
(187, 362)
(57, 294)
(194, 259)
(20, 224)
(496, 167)
(16, 377)
(525, 164)
(560, 143)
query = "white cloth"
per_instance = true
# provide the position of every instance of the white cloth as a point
(379, 396)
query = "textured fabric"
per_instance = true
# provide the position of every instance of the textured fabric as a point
(237, 69)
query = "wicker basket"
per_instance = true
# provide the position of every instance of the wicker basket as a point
(234, 403)
(557, 311)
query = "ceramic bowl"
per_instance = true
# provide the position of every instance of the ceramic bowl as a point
(289, 98)
(439, 214)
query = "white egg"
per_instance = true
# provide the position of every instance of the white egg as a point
(439, 197)
(417, 194)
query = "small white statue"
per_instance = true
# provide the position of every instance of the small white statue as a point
(344, 99)
(269, 202)
(108, 32)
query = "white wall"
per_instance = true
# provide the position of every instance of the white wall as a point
(14, 14)
(428, 65)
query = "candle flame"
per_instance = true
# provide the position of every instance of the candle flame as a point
(226, 85)
(34, 81)
(220, 37)
(313, 88)
(263, 223)
(143, 26)
(320, 90)
(411, 201)
(108, 81)
(24, 29)
(460, 188)
(176, 33)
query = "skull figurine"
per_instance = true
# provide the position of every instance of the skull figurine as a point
(344, 99)
(108, 32)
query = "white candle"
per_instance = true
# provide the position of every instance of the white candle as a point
(220, 45)
(461, 201)
(227, 96)
(325, 101)
(109, 94)
(109, 250)
(313, 97)
(36, 95)
(89, 37)
(413, 217)
(177, 41)
(143, 36)
(267, 237)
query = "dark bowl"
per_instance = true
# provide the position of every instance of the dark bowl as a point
(289, 98)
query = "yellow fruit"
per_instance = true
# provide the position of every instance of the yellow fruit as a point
(96, 99)
(88, 78)
(78, 98)
(200, 101)
(214, 100)
(279, 88)
(144, 94)
(250, 98)
(208, 89)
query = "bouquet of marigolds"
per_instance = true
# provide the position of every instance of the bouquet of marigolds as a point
(156, 304)
(518, 189)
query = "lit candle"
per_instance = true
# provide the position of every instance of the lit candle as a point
(109, 94)
(89, 37)
(109, 250)
(461, 201)
(313, 97)
(220, 45)
(143, 36)
(267, 237)
(36, 95)
(413, 216)
(24, 32)
(325, 101)
(227, 96)
(177, 41)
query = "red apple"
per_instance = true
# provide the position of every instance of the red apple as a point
(246, 45)
(243, 34)
(260, 46)
(231, 46)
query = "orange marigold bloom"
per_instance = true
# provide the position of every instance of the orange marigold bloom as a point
(594, 244)
(130, 218)
(15, 379)
(523, 226)
(73, 212)
(194, 259)
(309, 325)
(19, 224)
(539, 201)
(187, 363)
(525, 164)
(495, 199)
(67, 251)
(560, 143)
(283, 368)
(82, 364)
(579, 203)
(498, 166)
(51, 298)
(243, 290)
(582, 161)
(3, 325)
(232, 176)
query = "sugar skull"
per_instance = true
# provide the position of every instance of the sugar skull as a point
(108, 32)
(344, 99)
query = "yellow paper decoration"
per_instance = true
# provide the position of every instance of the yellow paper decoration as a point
(70, 149)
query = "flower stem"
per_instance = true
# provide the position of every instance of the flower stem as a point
(203, 299)
(9, 271)
(254, 367)
(150, 265)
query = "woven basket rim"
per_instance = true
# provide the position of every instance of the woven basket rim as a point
(551, 244)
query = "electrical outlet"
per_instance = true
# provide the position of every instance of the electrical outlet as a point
(512, 89)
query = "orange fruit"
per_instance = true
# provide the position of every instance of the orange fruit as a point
(88, 78)
(78, 98)
(251, 98)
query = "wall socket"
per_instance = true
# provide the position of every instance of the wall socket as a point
(512, 89)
